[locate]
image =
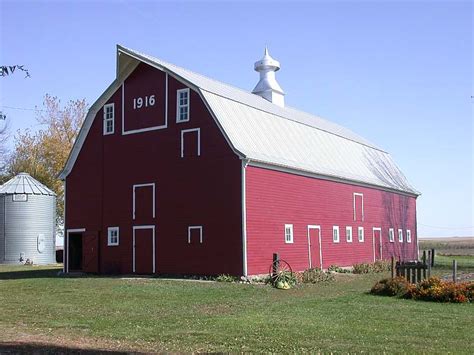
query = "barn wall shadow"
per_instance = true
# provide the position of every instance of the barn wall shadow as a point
(42, 348)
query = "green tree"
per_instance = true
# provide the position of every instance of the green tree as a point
(43, 153)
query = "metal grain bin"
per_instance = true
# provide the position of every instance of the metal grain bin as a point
(27, 221)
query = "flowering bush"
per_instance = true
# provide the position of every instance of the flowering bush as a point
(314, 275)
(432, 289)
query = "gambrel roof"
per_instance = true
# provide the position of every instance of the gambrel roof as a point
(268, 135)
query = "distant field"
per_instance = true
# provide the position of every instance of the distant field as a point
(449, 246)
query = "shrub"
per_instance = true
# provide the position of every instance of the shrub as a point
(397, 286)
(434, 289)
(335, 268)
(366, 268)
(226, 278)
(315, 275)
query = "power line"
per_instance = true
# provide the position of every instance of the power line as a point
(21, 108)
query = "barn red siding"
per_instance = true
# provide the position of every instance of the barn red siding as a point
(204, 190)
(274, 199)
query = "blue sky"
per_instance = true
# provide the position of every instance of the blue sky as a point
(398, 73)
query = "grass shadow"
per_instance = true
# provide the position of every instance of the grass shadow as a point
(41, 348)
(28, 274)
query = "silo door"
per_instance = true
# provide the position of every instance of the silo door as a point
(90, 252)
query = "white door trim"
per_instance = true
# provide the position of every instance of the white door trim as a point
(76, 230)
(136, 186)
(152, 227)
(373, 241)
(313, 226)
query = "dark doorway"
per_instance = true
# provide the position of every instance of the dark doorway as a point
(75, 252)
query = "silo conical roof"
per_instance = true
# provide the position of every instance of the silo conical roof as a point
(23, 183)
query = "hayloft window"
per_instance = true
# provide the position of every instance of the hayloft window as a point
(182, 105)
(358, 206)
(288, 233)
(349, 234)
(408, 236)
(191, 142)
(109, 119)
(194, 233)
(400, 236)
(335, 234)
(113, 236)
(391, 235)
(360, 234)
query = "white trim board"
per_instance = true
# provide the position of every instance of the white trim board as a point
(244, 220)
(154, 194)
(74, 230)
(190, 228)
(152, 227)
(354, 207)
(318, 227)
(198, 130)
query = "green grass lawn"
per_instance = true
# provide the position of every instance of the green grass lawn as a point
(178, 315)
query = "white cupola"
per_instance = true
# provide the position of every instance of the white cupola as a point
(267, 87)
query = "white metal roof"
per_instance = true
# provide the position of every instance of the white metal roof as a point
(282, 137)
(23, 183)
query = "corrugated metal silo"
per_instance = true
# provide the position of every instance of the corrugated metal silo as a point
(27, 221)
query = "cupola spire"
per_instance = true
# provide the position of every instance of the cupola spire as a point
(268, 87)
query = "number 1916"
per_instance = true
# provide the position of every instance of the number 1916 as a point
(140, 102)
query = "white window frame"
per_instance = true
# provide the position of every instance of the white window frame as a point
(109, 236)
(335, 234)
(178, 105)
(152, 184)
(288, 236)
(190, 228)
(359, 234)
(408, 236)
(183, 132)
(354, 204)
(106, 119)
(391, 235)
(349, 234)
(400, 235)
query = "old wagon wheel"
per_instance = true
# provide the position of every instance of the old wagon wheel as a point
(280, 270)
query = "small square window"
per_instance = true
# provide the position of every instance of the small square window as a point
(182, 106)
(360, 234)
(408, 236)
(109, 119)
(113, 236)
(288, 233)
(400, 236)
(335, 234)
(391, 235)
(349, 234)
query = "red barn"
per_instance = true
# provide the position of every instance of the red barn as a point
(176, 173)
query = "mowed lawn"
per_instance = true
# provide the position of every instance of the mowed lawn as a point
(177, 315)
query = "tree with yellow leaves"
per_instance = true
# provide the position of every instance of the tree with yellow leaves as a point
(43, 153)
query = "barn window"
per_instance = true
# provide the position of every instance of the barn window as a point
(349, 234)
(408, 236)
(182, 105)
(194, 232)
(191, 142)
(113, 236)
(391, 235)
(288, 233)
(400, 236)
(335, 234)
(109, 119)
(358, 205)
(360, 234)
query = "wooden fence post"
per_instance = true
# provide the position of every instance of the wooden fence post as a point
(432, 257)
(429, 263)
(424, 264)
(276, 259)
(455, 270)
(393, 266)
